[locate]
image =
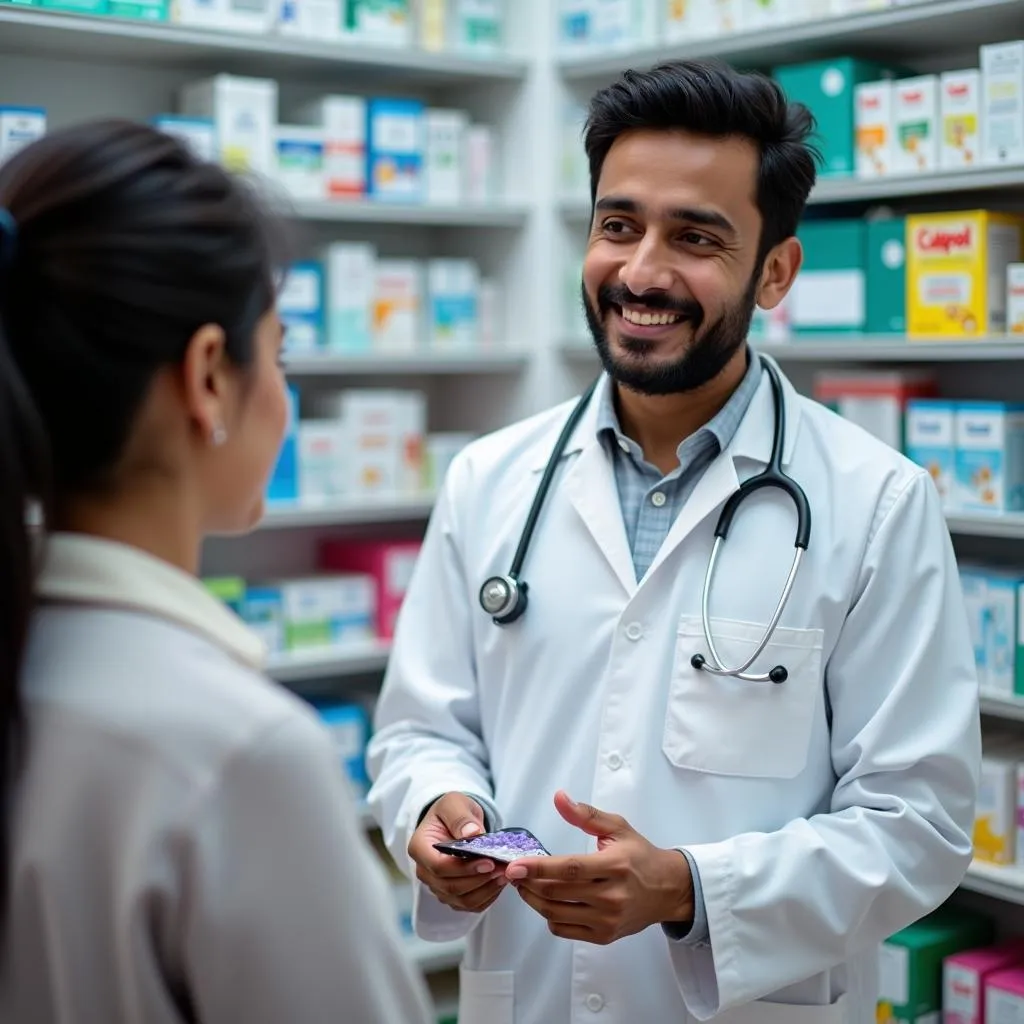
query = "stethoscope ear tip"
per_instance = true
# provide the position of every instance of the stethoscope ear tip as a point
(778, 674)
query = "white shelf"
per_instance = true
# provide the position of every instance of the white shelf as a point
(1007, 525)
(914, 31)
(321, 663)
(401, 508)
(396, 363)
(435, 956)
(867, 348)
(104, 40)
(1005, 884)
(998, 706)
(492, 215)
(855, 190)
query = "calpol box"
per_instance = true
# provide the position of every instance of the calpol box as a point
(910, 964)
(390, 563)
(876, 401)
(964, 976)
(956, 272)
(989, 457)
(930, 441)
(827, 89)
(1004, 997)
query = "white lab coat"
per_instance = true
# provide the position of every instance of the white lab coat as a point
(814, 842)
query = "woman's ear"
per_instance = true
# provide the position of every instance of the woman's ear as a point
(780, 269)
(205, 376)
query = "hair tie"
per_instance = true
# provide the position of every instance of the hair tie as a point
(8, 238)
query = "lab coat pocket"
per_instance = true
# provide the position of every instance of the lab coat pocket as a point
(763, 1012)
(486, 997)
(728, 726)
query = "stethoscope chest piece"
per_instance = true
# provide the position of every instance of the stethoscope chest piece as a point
(503, 598)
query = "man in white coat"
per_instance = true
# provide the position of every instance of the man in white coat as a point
(740, 847)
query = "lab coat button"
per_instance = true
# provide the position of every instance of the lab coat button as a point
(658, 499)
(634, 631)
(595, 1002)
(614, 762)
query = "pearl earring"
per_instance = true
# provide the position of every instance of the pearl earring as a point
(219, 436)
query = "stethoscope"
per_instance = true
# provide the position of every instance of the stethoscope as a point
(504, 598)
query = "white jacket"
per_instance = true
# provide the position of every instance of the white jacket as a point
(823, 814)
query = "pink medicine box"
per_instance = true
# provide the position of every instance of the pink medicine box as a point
(1004, 996)
(964, 977)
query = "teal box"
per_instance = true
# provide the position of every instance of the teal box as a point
(350, 729)
(139, 10)
(263, 612)
(284, 481)
(826, 88)
(887, 276)
(829, 294)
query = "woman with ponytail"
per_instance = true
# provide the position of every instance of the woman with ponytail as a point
(176, 841)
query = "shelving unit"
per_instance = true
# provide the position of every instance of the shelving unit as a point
(406, 363)
(352, 659)
(421, 215)
(402, 508)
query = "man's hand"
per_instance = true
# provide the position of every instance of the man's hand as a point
(627, 886)
(469, 885)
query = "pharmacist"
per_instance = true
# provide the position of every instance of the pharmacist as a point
(741, 845)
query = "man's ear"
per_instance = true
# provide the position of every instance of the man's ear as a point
(779, 272)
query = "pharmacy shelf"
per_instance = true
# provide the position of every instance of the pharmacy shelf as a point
(100, 39)
(857, 190)
(435, 956)
(468, 215)
(369, 511)
(322, 663)
(1006, 525)
(435, 363)
(1008, 708)
(1006, 884)
(904, 33)
(868, 348)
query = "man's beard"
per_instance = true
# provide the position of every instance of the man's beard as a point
(708, 355)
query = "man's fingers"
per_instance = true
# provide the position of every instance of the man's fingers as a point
(592, 893)
(562, 869)
(461, 816)
(558, 913)
(457, 886)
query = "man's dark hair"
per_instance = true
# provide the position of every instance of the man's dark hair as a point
(711, 98)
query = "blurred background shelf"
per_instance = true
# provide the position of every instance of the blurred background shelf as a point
(494, 215)
(1006, 884)
(352, 659)
(403, 508)
(434, 363)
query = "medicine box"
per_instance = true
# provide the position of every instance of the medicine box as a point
(264, 615)
(622, 24)
(452, 290)
(74, 6)
(974, 585)
(995, 816)
(1002, 110)
(828, 295)
(350, 279)
(398, 305)
(299, 161)
(323, 467)
(300, 307)
(395, 150)
(960, 117)
(989, 457)
(575, 26)
(255, 16)
(875, 401)
(309, 19)
(432, 30)
(1019, 848)
(916, 125)
(197, 133)
(1002, 615)
(140, 10)
(826, 88)
(349, 727)
(244, 113)
(327, 611)
(343, 120)
(445, 152)
(1015, 298)
(228, 589)
(20, 127)
(199, 13)
(1004, 996)
(440, 450)
(930, 441)
(756, 15)
(380, 22)
(283, 485)
(964, 976)
(956, 272)
(478, 25)
(910, 963)
(886, 296)
(874, 128)
(390, 563)
(480, 165)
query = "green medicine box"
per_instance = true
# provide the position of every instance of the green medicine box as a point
(828, 296)
(910, 963)
(826, 88)
(74, 6)
(139, 10)
(887, 276)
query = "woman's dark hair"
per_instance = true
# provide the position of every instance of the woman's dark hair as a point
(116, 246)
(711, 98)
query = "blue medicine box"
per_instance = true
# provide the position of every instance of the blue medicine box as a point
(395, 144)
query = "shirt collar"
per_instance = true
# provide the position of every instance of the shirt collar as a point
(90, 570)
(722, 426)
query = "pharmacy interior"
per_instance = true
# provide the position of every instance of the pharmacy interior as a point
(428, 154)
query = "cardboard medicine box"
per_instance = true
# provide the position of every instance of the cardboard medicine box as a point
(956, 272)
(886, 299)
(930, 441)
(828, 295)
(916, 125)
(960, 116)
(989, 457)
(874, 128)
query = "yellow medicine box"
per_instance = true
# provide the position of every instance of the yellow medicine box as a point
(956, 272)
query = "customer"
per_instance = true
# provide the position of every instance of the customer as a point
(178, 844)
